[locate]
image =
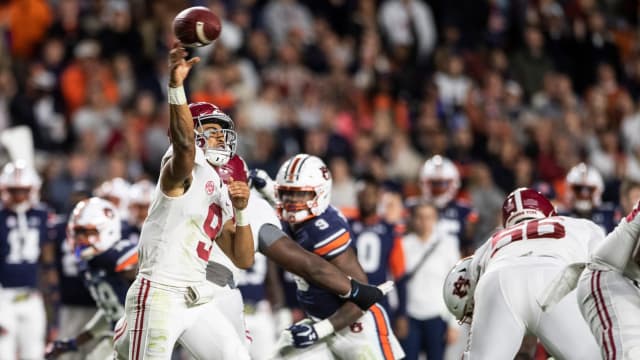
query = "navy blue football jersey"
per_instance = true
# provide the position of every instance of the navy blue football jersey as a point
(130, 232)
(70, 284)
(606, 216)
(106, 286)
(379, 249)
(21, 238)
(453, 219)
(252, 282)
(328, 236)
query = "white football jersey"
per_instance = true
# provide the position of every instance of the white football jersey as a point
(568, 239)
(177, 236)
(260, 213)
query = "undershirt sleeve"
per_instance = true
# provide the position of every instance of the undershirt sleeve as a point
(267, 235)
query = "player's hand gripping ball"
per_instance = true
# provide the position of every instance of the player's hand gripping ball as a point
(196, 26)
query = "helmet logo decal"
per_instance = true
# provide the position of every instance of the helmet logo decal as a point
(460, 287)
(108, 213)
(325, 172)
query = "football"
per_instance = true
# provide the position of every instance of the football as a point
(196, 26)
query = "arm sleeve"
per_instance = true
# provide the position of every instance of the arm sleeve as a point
(267, 235)
(617, 248)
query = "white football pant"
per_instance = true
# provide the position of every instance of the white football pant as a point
(24, 321)
(506, 309)
(157, 316)
(610, 303)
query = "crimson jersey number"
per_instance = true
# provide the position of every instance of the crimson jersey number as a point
(531, 230)
(211, 227)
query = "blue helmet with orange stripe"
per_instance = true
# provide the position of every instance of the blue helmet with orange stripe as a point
(303, 188)
(93, 228)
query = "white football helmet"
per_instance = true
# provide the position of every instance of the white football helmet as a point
(116, 191)
(93, 228)
(439, 180)
(18, 176)
(458, 290)
(303, 188)
(585, 187)
(140, 196)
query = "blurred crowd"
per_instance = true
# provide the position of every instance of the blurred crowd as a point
(514, 92)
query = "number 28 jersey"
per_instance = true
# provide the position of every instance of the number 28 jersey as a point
(326, 235)
(176, 237)
(564, 238)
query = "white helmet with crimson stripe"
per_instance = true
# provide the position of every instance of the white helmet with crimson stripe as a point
(303, 188)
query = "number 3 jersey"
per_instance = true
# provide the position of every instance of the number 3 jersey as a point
(101, 277)
(176, 237)
(21, 238)
(564, 238)
(328, 236)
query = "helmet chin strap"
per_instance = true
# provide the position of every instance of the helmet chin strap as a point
(216, 157)
(583, 206)
(21, 207)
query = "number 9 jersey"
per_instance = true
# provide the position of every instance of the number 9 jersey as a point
(326, 235)
(177, 236)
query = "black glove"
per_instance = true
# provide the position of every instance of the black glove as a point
(257, 179)
(365, 295)
(60, 347)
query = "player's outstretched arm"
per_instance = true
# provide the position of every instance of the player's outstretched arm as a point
(305, 334)
(621, 244)
(98, 325)
(176, 172)
(292, 257)
(237, 240)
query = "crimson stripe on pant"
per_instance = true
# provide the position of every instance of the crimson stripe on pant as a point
(603, 315)
(143, 292)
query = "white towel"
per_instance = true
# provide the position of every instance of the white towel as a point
(561, 285)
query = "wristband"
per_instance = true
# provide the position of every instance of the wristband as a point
(177, 95)
(323, 328)
(71, 344)
(241, 217)
(348, 294)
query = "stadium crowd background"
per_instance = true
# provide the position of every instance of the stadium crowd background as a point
(514, 92)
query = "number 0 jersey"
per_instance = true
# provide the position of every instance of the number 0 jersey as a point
(176, 237)
(564, 238)
(327, 235)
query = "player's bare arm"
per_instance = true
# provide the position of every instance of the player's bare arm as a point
(237, 240)
(175, 175)
(348, 263)
(293, 258)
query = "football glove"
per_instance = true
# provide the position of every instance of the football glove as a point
(306, 334)
(60, 347)
(365, 295)
(261, 181)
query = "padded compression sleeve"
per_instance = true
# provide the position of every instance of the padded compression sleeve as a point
(267, 235)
